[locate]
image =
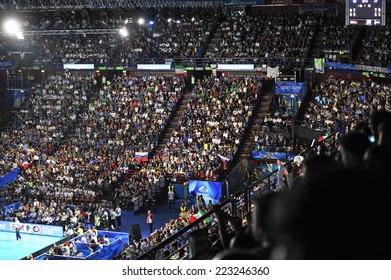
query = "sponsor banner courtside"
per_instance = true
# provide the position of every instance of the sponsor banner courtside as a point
(37, 229)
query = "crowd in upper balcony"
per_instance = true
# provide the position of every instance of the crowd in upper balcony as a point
(279, 36)
(161, 34)
(84, 37)
(170, 34)
(376, 47)
(74, 20)
(335, 35)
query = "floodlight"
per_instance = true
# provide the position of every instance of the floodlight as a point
(123, 32)
(11, 26)
(141, 21)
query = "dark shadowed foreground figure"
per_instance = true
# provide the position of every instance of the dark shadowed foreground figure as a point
(339, 216)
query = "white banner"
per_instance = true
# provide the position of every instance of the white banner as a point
(79, 66)
(235, 67)
(153, 66)
(273, 72)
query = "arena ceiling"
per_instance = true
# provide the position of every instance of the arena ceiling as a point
(39, 5)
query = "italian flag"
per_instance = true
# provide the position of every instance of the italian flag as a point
(321, 138)
(199, 215)
(202, 213)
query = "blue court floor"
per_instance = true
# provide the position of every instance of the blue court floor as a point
(10, 249)
(161, 217)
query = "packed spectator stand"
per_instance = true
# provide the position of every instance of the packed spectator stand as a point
(75, 139)
(280, 36)
(209, 132)
(375, 47)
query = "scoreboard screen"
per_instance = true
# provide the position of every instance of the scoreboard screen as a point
(365, 12)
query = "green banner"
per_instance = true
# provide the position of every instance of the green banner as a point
(319, 65)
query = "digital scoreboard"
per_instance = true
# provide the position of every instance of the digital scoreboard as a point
(365, 12)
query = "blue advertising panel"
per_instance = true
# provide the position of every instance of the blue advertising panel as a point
(19, 96)
(272, 155)
(6, 64)
(358, 67)
(13, 98)
(283, 88)
(37, 229)
(211, 191)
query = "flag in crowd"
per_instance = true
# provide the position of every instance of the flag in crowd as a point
(141, 156)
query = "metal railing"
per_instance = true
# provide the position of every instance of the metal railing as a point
(230, 204)
(75, 5)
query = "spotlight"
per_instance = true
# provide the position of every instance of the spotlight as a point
(123, 32)
(11, 26)
(151, 22)
(141, 21)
